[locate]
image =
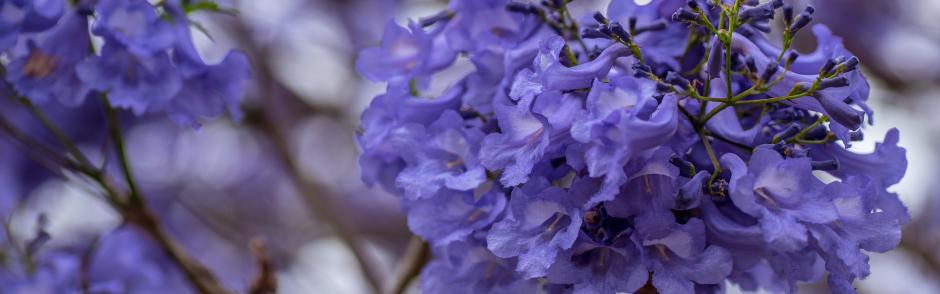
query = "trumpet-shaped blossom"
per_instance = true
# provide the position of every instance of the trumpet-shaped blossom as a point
(637, 149)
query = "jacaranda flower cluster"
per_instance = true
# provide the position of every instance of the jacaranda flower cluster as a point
(63, 62)
(673, 145)
(147, 62)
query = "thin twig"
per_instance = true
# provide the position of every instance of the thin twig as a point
(116, 136)
(133, 212)
(282, 109)
(317, 198)
(416, 256)
(266, 281)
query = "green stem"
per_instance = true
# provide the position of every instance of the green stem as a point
(806, 130)
(702, 121)
(711, 156)
(772, 100)
(114, 130)
(574, 29)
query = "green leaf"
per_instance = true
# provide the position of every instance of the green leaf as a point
(207, 5)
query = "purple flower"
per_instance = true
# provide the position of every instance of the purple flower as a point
(679, 259)
(478, 26)
(386, 133)
(452, 216)
(134, 25)
(624, 134)
(26, 16)
(47, 70)
(447, 160)
(529, 121)
(405, 54)
(207, 90)
(601, 266)
(541, 222)
(783, 194)
(132, 82)
(467, 267)
(621, 171)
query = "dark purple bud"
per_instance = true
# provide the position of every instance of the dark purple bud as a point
(802, 20)
(825, 165)
(787, 14)
(818, 133)
(856, 136)
(642, 70)
(769, 71)
(833, 83)
(676, 79)
(589, 33)
(841, 112)
(757, 13)
(763, 26)
(693, 4)
(656, 26)
(606, 30)
(527, 8)
(631, 23)
(600, 18)
(715, 60)
(830, 65)
(660, 87)
(786, 133)
(850, 64)
(791, 57)
(746, 31)
(683, 15)
(618, 31)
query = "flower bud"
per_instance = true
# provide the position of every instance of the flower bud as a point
(676, 79)
(825, 165)
(802, 20)
(600, 18)
(833, 83)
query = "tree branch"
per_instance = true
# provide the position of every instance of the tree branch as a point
(416, 256)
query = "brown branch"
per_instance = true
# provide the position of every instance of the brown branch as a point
(318, 201)
(200, 277)
(133, 212)
(266, 281)
(36, 150)
(282, 108)
(416, 256)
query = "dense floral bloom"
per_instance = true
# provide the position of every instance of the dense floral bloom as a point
(148, 62)
(53, 65)
(644, 147)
